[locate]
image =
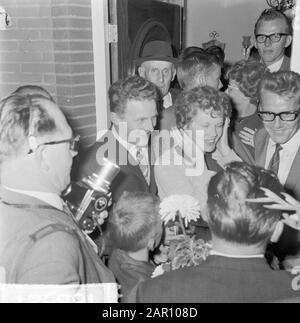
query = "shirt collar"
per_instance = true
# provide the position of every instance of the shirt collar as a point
(167, 101)
(49, 198)
(275, 67)
(216, 253)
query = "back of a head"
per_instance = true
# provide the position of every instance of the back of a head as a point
(233, 219)
(283, 83)
(22, 117)
(206, 99)
(194, 66)
(33, 90)
(271, 15)
(131, 88)
(247, 75)
(133, 221)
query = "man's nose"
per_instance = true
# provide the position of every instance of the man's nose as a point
(268, 42)
(277, 123)
(149, 125)
(161, 77)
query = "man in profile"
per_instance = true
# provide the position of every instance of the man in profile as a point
(40, 242)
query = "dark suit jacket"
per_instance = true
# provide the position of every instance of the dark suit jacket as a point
(261, 142)
(129, 179)
(43, 245)
(289, 243)
(217, 280)
(286, 65)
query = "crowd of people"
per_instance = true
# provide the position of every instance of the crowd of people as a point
(225, 145)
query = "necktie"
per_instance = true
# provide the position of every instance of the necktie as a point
(143, 164)
(275, 160)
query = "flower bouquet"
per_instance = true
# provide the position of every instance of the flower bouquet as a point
(181, 248)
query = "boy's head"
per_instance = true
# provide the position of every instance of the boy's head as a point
(234, 220)
(135, 223)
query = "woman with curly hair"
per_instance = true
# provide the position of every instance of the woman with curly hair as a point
(200, 144)
(244, 79)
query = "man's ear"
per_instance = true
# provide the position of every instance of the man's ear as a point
(142, 71)
(277, 232)
(174, 73)
(288, 41)
(42, 158)
(204, 214)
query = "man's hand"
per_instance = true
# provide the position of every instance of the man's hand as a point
(247, 136)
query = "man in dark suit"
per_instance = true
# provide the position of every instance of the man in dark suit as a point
(236, 270)
(133, 106)
(277, 145)
(273, 34)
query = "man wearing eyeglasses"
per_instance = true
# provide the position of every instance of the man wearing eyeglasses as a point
(277, 144)
(273, 34)
(40, 243)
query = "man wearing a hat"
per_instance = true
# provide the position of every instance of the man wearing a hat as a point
(157, 65)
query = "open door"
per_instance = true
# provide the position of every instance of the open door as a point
(141, 21)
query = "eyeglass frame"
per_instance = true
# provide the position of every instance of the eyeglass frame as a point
(275, 115)
(72, 141)
(269, 37)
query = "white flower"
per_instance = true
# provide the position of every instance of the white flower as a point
(187, 206)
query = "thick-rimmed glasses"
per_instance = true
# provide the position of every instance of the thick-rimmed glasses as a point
(74, 144)
(284, 116)
(275, 38)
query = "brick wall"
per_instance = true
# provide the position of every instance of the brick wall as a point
(50, 44)
(26, 49)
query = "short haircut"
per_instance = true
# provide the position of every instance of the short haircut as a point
(33, 89)
(283, 83)
(131, 88)
(230, 216)
(21, 116)
(270, 15)
(196, 64)
(205, 99)
(218, 52)
(133, 219)
(248, 75)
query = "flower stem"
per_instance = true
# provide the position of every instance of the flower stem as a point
(182, 225)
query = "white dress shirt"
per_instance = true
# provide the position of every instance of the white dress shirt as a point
(167, 101)
(287, 156)
(276, 66)
(216, 253)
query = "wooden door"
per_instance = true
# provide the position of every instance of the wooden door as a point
(141, 21)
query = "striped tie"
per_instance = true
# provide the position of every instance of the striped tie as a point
(143, 164)
(275, 160)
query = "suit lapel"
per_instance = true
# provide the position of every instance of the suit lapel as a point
(261, 146)
(294, 174)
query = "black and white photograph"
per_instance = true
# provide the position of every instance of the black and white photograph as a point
(149, 154)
